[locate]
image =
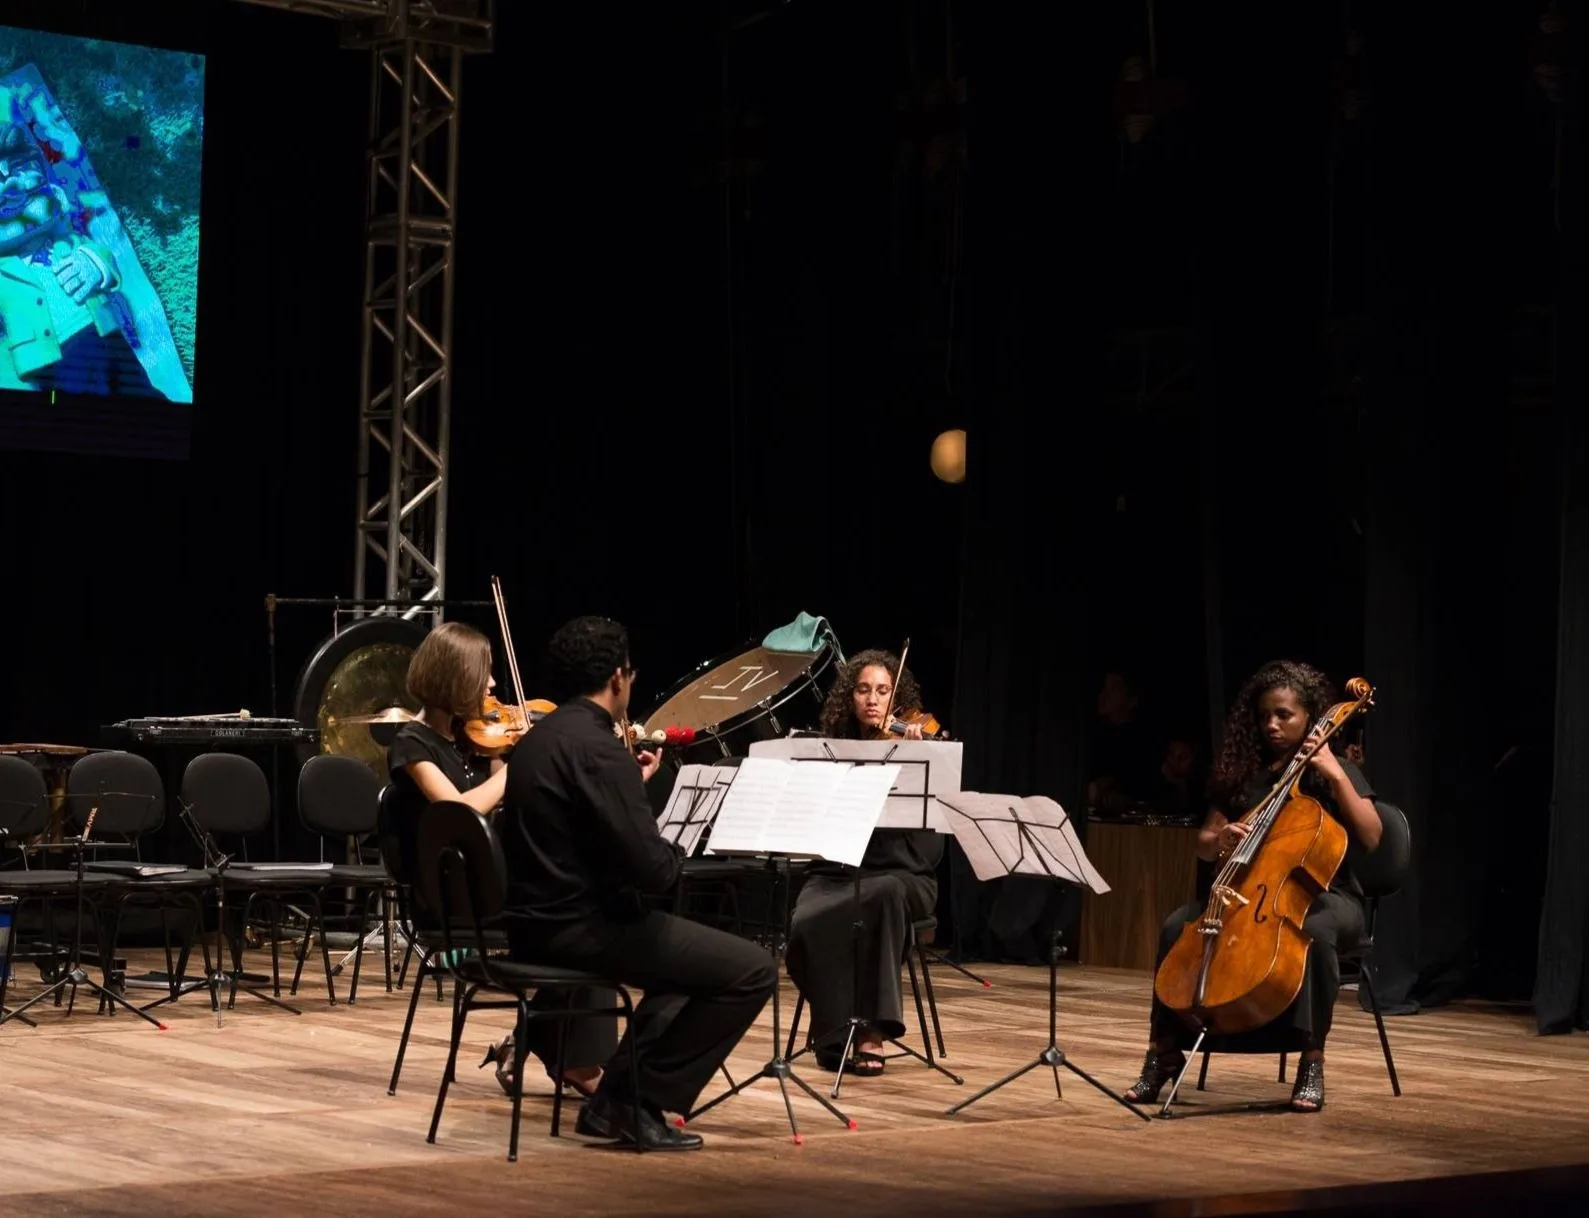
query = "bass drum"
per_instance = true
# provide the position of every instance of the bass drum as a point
(745, 696)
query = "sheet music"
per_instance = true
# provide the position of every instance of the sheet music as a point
(693, 804)
(856, 808)
(748, 808)
(931, 764)
(802, 809)
(1007, 835)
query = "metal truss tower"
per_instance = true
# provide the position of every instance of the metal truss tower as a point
(416, 52)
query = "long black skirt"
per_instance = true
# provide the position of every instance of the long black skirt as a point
(1335, 921)
(821, 956)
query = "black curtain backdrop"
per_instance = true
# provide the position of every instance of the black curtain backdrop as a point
(1039, 142)
(1561, 994)
(1255, 383)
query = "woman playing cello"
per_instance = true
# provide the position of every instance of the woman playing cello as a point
(1270, 720)
(899, 884)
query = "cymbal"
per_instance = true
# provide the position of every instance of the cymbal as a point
(392, 714)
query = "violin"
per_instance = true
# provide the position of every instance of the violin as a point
(501, 725)
(1241, 964)
(931, 729)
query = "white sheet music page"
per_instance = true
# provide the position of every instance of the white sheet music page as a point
(799, 824)
(855, 809)
(989, 830)
(693, 803)
(749, 807)
(925, 767)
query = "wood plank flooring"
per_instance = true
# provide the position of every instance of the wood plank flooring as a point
(275, 1113)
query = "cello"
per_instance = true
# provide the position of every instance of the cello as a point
(1242, 964)
(502, 725)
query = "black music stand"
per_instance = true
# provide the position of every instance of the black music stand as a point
(855, 1023)
(74, 974)
(1003, 835)
(217, 862)
(778, 1067)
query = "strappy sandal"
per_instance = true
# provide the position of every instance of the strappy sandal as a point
(502, 1054)
(867, 1064)
(1308, 1093)
(1157, 1069)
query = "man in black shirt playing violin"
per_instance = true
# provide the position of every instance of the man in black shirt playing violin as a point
(583, 853)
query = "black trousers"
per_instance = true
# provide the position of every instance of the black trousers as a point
(703, 989)
(821, 951)
(1335, 920)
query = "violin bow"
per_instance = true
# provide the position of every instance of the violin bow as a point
(507, 645)
(888, 707)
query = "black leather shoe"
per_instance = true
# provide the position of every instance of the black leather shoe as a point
(603, 1117)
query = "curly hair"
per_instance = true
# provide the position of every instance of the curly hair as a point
(582, 656)
(1241, 754)
(838, 711)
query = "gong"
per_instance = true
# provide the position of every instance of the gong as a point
(354, 686)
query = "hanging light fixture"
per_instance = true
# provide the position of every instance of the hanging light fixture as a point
(949, 456)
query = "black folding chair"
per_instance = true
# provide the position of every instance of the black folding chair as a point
(339, 798)
(1381, 874)
(463, 876)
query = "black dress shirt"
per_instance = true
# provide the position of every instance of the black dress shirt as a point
(577, 830)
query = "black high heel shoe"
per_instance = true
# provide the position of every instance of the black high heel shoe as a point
(502, 1054)
(1157, 1069)
(1308, 1093)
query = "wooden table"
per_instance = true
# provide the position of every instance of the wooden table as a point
(1151, 870)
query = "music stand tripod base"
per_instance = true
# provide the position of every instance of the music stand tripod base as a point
(778, 1067)
(75, 974)
(1052, 1055)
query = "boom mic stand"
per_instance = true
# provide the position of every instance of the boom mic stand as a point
(74, 974)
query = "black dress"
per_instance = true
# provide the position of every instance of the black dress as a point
(898, 885)
(591, 1040)
(1336, 920)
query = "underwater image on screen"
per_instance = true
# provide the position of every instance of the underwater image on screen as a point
(101, 149)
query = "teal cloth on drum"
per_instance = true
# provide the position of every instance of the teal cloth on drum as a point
(805, 633)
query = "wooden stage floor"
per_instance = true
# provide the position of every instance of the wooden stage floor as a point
(275, 1113)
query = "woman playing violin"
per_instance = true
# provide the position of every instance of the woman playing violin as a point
(431, 759)
(899, 884)
(1273, 714)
